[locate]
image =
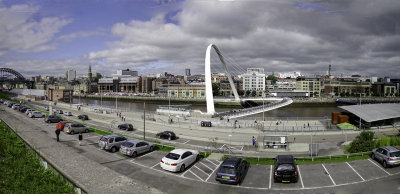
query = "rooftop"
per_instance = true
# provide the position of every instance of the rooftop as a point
(374, 112)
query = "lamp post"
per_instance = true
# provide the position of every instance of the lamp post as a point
(144, 120)
(263, 109)
(360, 116)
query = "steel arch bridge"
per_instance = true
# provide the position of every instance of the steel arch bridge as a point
(12, 77)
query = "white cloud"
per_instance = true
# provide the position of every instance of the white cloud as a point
(82, 34)
(20, 33)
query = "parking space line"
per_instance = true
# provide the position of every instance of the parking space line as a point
(355, 171)
(183, 174)
(326, 171)
(155, 165)
(211, 162)
(145, 154)
(222, 146)
(379, 166)
(242, 148)
(200, 170)
(186, 142)
(196, 175)
(93, 137)
(212, 173)
(270, 177)
(301, 180)
(205, 166)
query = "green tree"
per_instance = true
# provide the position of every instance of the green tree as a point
(248, 92)
(363, 142)
(272, 78)
(216, 88)
(253, 93)
(240, 92)
(98, 76)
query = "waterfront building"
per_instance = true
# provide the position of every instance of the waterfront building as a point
(292, 75)
(384, 89)
(254, 80)
(183, 90)
(312, 85)
(225, 87)
(289, 93)
(57, 95)
(336, 88)
(125, 81)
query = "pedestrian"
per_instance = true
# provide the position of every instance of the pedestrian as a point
(304, 125)
(308, 125)
(80, 138)
(277, 123)
(124, 118)
(58, 134)
(254, 142)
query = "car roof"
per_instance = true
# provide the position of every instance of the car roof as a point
(180, 151)
(231, 162)
(285, 158)
(391, 149)
(135, 141)
(112, 135)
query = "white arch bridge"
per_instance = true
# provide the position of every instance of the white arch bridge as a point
(280, 102)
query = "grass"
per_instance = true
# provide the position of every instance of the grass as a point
(346, 126)
(21, 171)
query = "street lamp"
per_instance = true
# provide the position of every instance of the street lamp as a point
(360, 116)
(230, 141)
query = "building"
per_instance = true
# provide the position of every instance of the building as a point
(125, 81)
(225, 87)
(90, 76)
(187, 72)
(58, 95)
(254, 80)
(127, 72)
(147, 84)
(157, 83)
(336, 88)
(289, 93)
(292, 75)
(384, 89)
(86, 87)
(71, 75)
(183, 90)
(312, 85)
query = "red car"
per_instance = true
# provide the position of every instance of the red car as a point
(61, 124)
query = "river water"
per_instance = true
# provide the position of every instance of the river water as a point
(293, 110)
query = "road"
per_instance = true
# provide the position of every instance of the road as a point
(100, 171)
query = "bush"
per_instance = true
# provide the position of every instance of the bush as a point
(363, 143)
(387, 141)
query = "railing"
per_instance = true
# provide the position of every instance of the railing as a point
(49, 164)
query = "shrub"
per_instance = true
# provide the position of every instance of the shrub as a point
(387, 141)
(363, 143)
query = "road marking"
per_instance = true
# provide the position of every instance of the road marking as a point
(205, 166)
(212, 173)
(222, 146)
(326, 171)
(155, 165)
(186, 142)
(379, 166)
(200, 170)
(92, 137)
(301, 180)
(270, 177)
(242, 148)
(183, 174)
(144, 155)
(196, 175)
(211, 162)
(355, 171)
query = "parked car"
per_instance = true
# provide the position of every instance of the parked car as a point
(83, 117)
(68, 113)
(166, 135)
(111, 142)
(60, 125)
(389, 156)
(10, 104)
(35, 114)
(46, 108)
(73, 128)
(126, 126)
(59, 111)
(285, 169)
(52, 119)
(23, 109)
(232, 170)
(133, 147)
(29, 111)
(178, 159)
(15, 106)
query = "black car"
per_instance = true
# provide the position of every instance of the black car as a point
(23, 109)
(52, 119)
(126, 126)
(285, 169)
(83, 117)
(232, 170)
(166, 135)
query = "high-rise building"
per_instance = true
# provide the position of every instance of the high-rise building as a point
(90, 73)
(187, 72)
(254, 79)
(71, 75)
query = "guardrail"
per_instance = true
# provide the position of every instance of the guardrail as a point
(49, 164)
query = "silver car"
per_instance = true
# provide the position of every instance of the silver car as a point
(35, 114)
(388, 155)
(111, 142)
(29, 111)
(73, 128)
(134, 147)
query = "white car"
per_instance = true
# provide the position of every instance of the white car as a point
(29, 111)
(178, 159)
(35, 114)
(15, 106)
(67, 113)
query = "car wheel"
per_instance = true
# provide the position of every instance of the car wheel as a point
(134, 154)
(86, 130)
(182, 168)
(113, 149)
(198, 157)
(151, 148)
(373, 156)
(159, 137)
(169, 138)
(384, 164)
(72, 132)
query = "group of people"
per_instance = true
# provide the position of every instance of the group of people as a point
(123, 118)
(80, 137)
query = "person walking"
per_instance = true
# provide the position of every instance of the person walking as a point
(58, 134)
(80, 138)
(254, 142)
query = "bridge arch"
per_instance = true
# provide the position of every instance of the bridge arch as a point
(209, 94)
(13, 72)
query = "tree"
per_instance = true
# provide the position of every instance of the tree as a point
(240, 92)
(363, 142)
(272, 78)
(98, 76)
(247, 92)
(216, 88)
(253, 93)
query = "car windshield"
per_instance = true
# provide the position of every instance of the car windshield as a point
(395, 154)
(227, 170)
(172, 156)
(103, 139)
(128, 144)
(285, 167)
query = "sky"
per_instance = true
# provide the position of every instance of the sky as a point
(49, 37)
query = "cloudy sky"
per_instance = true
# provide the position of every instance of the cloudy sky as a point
(48, 37)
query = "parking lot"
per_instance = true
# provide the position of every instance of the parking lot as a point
(258, 176)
